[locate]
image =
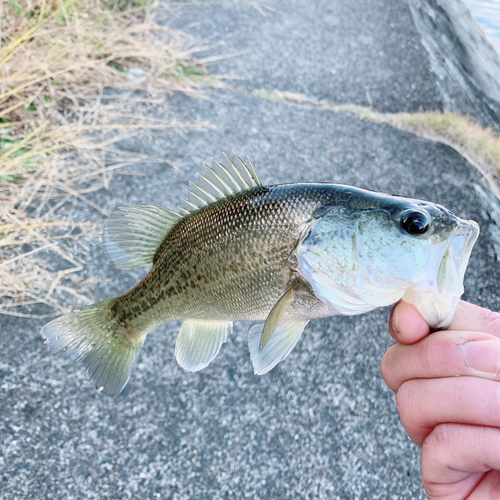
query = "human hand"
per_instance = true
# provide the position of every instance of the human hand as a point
(448, 397)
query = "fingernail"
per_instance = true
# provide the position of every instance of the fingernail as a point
(395, 319)
(482, 355)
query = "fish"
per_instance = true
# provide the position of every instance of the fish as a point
(282, 255)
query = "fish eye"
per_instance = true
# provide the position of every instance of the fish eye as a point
(414, 222)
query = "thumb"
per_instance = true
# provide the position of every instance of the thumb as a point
(406, 324)
(408, 327)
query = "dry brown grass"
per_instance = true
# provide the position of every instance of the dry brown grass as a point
(59, 129)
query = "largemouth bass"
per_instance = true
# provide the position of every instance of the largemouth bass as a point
(283, 254)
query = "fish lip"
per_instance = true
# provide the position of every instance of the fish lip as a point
(456, 256)
(451, 272)
(436, 297)
(473, 230)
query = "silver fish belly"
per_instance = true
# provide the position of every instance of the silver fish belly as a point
(282, 254)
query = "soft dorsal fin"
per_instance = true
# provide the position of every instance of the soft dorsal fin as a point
(132, 235)
(220, 180)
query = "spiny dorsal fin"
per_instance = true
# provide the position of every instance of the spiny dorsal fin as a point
(132, 235)
(220, 180)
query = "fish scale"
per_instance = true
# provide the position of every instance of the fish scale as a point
(234, 262)
(286, 254)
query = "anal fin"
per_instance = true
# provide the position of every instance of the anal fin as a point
(199, 341)
(278, 347)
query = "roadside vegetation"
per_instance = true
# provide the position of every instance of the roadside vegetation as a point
(479, 145)
(76, 77)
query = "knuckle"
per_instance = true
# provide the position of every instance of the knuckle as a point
(439, 437)
(463, 393)
(407, 403)
(427, 356)
(435, 455)
(387, 368)
(474, 400)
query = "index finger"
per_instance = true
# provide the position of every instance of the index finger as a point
(472, 318)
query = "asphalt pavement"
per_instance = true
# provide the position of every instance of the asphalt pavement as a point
(322, 424)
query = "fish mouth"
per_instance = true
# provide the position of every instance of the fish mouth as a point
(437, 299)
(456, 257)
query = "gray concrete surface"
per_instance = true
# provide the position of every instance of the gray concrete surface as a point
(359, 52)
(322, 425)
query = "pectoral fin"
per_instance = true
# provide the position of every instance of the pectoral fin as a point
(199, 341)
(278, 347)
(276, 315)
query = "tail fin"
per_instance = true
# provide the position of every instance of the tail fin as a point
(91, 336)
